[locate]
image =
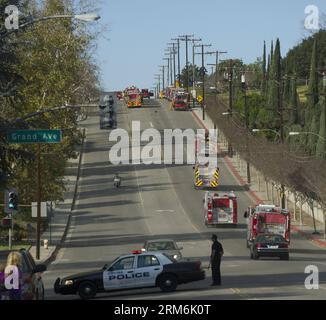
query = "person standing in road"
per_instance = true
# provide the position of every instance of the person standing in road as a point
(215, 261)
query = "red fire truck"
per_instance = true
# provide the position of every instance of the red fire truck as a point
(220, 209)
(267, 219)
(181, 101)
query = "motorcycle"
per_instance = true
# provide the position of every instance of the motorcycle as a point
(117, 182)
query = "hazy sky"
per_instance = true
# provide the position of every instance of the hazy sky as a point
(139, 30)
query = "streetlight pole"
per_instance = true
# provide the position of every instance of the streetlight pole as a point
(244, 88)
(87, 17)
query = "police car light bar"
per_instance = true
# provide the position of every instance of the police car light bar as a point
(136, 251)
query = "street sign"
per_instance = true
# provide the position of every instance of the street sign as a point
(200, 99)
(44, 210)
(34, 136)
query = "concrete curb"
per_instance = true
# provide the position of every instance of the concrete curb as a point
(253, 195)
(54, 253)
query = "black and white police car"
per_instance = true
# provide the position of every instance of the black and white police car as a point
(132, 271)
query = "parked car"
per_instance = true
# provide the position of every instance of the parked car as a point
(269, 245)
(167, 246)
(33, 287)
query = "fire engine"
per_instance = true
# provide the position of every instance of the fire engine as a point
(220, 209)
(206, 176)
(133, 97)
(267, 219)
(180, 101)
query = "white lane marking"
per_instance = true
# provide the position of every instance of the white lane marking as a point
(161, 211)
(138, 185)
(151, 124)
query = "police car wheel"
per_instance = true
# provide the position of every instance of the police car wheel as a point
(87, 290)
(168, 283)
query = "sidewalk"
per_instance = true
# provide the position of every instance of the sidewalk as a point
(256, 192)
(60, 219)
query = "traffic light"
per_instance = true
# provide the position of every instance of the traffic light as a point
(13, 201)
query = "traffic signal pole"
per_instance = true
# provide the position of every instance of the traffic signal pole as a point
(38, 228)
(11, 230)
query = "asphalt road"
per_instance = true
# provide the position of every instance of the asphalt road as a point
(159, 201)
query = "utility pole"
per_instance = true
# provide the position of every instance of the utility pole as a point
(244, 88)
(230, 77)
(178, 52)
(217, 53)
(174, 53)
(158, 77)
(186, 38)
(324, 85)
(203, 72)
(168, 72)
(171, 69)
(193, 70)
(169, 52)
(163, 75)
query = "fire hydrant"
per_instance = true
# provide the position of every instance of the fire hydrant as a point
(46, 244)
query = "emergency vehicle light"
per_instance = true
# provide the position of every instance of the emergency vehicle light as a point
(136, 251)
